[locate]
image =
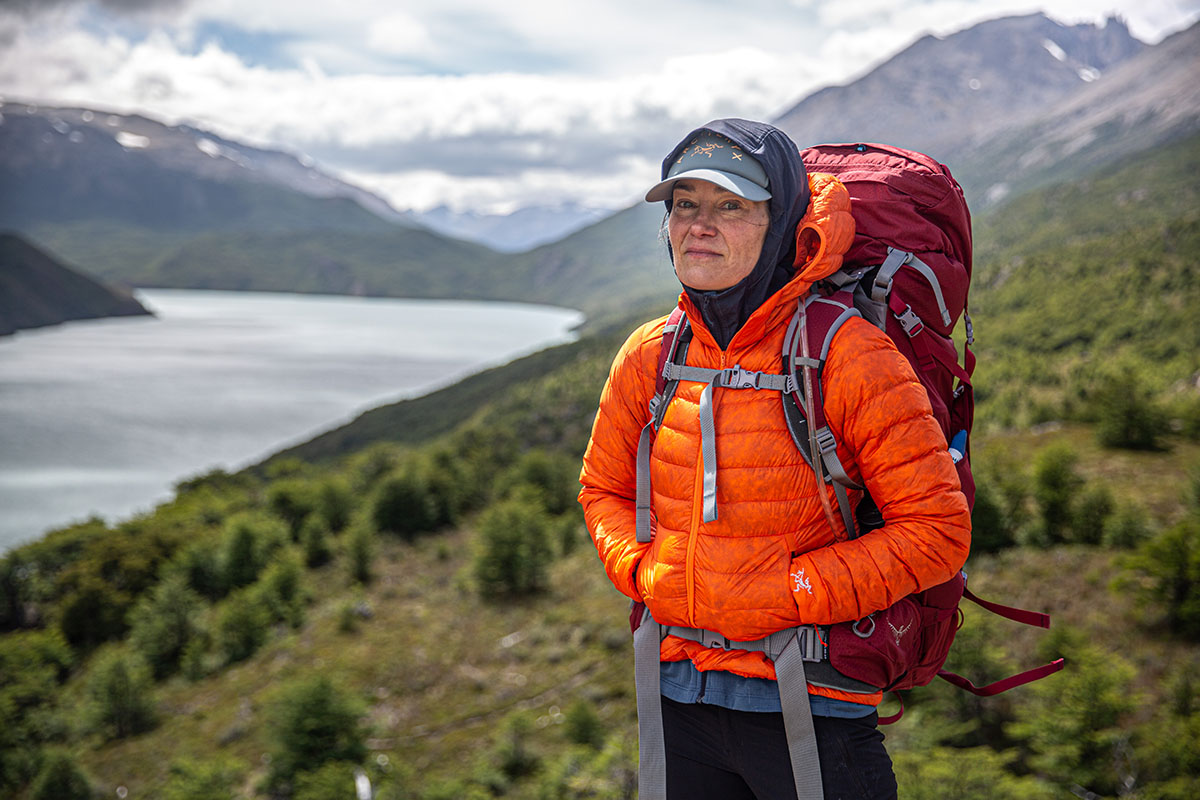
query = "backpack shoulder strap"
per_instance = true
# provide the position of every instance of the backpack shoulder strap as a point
(822, 318)
(677, 333)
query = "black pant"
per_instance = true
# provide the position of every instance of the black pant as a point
(721, 754)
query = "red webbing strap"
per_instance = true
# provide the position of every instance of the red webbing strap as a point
(888, 720)
(1002, 685)
(636, 611)
(670, 342)
(1034, 618)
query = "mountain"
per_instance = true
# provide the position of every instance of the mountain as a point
(1146, 101)
(1087, 97)
(36, 290)
(135, 201)
(517, 231)
(67, 165)
(1009, 105)
(943, 95)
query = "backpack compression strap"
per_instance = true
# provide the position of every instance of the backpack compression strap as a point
(789, 649)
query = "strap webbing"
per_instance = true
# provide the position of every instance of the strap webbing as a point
(652, 748)
(789, 649)
(1004, 685)
(798, 722)
(731, 378)
(642, 511)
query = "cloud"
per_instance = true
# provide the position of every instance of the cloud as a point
(463, 103)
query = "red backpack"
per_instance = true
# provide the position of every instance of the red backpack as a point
(908, 272)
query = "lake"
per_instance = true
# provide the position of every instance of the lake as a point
(104, 417)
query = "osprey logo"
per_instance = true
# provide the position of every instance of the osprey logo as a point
(899, 632)
(802, 582)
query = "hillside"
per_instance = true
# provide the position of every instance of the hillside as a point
(36, 290)
(371, 579)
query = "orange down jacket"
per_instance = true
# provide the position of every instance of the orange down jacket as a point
(772, 560)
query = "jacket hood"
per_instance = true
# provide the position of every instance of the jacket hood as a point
(725, 311)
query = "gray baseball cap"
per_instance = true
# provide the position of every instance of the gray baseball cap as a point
(712, 157)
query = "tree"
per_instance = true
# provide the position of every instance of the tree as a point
(314, 539)
(242, 625)
(514, 551)
(1071, 721)
(313, 722)
(292, 500)
(203, 780)
(1056, 482)
(1171, 561)
(162, 623)
(119, 690)
(402, 504)
(1127, 413)
(61, 778)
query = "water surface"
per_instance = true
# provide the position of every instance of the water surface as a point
(103, 417)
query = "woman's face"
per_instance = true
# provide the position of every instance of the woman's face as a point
(716, 235)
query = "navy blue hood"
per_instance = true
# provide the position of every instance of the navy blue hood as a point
(726, 310)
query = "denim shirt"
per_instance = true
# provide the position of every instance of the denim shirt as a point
(683, 683)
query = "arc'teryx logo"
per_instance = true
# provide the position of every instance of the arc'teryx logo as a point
(898, 632)
(802, 582)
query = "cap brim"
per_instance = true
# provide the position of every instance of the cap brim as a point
(742, 187)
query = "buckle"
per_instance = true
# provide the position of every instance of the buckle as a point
(737, 378)
(909, 320)
(713, 640)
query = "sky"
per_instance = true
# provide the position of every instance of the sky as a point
(476, 104)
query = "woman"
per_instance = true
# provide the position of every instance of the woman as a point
(743, 548)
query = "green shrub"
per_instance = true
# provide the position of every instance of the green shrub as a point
(61, 778)
(1127, 528)
(292, 500)
(513, 553)
(204, 780)
(554, 475)
(1171, 562)
(163, 622)
(335, 503)
(200, 565)
(242, 625)
(402, 504)
(310, 723)
(939, 773)
(583, 725)
(1071, 721)
(334, 780)
(1127, 413)
(990, 531)
(511, 752)
(119, 693)
(1092, 510)
(280, 590)
(250, 539)
(1055, 486)
(314, 540)
(360, 552)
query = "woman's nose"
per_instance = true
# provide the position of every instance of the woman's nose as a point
(703, 222)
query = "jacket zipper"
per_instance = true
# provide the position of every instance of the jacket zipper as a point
(697, 517)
